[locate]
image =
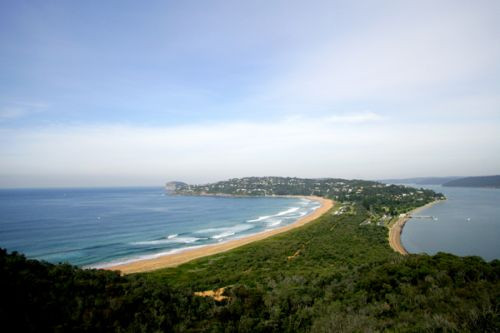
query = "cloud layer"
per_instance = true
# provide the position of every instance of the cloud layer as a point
(352, 147)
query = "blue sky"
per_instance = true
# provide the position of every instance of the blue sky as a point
(129, 93)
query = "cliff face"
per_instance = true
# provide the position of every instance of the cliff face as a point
(175, 185)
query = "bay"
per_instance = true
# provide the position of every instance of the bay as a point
(468, 223)
(105, 226)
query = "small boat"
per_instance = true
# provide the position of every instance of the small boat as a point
(468, 219)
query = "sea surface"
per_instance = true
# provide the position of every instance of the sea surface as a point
(467, 223)
(106, 226)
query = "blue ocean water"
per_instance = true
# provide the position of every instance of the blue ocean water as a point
(98, 227)
(468, 223)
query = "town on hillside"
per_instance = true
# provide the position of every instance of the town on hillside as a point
(383, 201)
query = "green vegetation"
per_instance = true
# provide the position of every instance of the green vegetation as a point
(42, 297)
(383, 202)
(334, 274)
(376, 197)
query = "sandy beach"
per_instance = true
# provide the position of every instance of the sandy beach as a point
(397, 228)
(176, 259)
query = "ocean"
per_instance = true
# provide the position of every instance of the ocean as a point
(108, 226)
(467, 223)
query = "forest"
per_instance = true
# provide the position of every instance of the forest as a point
(333, 274)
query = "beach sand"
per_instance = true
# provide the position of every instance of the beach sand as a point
(397, 228)
(172, 260)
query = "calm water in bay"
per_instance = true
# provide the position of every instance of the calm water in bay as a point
(468, 224)
(95, 227)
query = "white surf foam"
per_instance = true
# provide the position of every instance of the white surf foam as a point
(224, 232)
(288, 211)
(235, 229)
(185, 240)
(260, 218)
(282, 213)
(143, 257)
(273, 224)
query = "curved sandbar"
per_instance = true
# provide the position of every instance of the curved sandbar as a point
(396, 229)
(172, 260)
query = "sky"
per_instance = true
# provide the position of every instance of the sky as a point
(120, 93)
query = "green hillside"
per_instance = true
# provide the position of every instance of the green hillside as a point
(483, 181)
(420, 180)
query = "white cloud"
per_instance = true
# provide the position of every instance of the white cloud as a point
(20, 109)
(357, 118)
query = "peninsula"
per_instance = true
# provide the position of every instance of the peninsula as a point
(387, 205)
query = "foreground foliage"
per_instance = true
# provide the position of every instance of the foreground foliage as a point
(331, 275)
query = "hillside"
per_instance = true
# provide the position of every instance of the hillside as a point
(420, 180)
(483, 181)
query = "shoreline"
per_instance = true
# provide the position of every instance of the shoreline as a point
(176, 259)
(396, 229)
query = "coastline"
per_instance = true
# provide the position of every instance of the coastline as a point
(175, 259)
(396, 229)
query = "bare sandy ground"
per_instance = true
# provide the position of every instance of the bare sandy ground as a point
(397, 228)
(172, 260)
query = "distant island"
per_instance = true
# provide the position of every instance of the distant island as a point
(481, 181)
